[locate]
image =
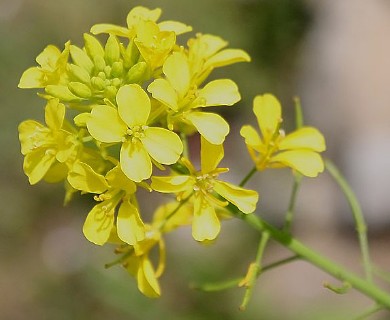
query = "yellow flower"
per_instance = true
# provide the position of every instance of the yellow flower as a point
(139, 265)
(183, 98)
(46, 146)
(115, 190)
(298, 150)
(128, 125)
(206, 191)
(51, 71)
(134, 18)
(207, 52)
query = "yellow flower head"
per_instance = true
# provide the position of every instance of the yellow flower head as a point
(139, 265)
(298, 150)
(179, 93)
(129, 125)
(51, 71)
(207, 191)
(44, 146)
(113, 191)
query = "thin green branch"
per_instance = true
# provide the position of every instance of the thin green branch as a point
(291, 206)
(364, 286)
(369, 312)
(360, 223)
(231, 283)
(254, 271)
(248, 176)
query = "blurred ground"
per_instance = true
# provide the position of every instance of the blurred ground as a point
(334, 54)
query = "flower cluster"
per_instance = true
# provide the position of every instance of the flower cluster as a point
(118, 111)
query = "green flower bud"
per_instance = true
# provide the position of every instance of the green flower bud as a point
(137, 73)
(107, 71)
(81, 58)
(112, 51)
(117, 69)
(79, 73)
(130, 55)
(80, 89)
(110, 92)
(116, 82)
(98, 83)
(61, 92)
(99, 62)
(93, 46)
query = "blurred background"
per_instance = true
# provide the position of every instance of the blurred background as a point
(333, 54)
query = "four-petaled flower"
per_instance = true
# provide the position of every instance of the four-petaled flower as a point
(298, 150)
(206, 191)
(113, 191)
(183, 98)
(128, 125)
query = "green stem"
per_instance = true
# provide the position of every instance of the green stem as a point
(291, 206)
(248, 176)
(361, 227)
(369, 312)
(184, 140)
(254, 270)
(210, 287)
(316, 259)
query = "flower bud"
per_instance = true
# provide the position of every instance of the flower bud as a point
(117, 69)
(79, 73)
(61, 92)
(112, 52)
(99, 63)
(80, 89)
(93, 46)
(98, 83)
(137, 73)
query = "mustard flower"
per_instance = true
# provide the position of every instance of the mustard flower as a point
(128, 124)
(206, 191)
(298, 150)
(51, 71)
(206, 52)
(185, 100)
(134, 18)
(114, 193)
(138, 263)
(45, 146)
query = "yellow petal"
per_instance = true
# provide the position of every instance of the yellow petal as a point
(182, 216)
(54, 114)
(175, 26)
(171, 184)
(206, 225)
(32, 78)
(227, 57)
(37, 163)
(163, 145)
(135, 161)
(105, 125)
(118, 180)
(141, 13)
(222, 92)
(210, 125)
(83, 177)
(245, 200)
(304, 138)
(211, 155)
(251, 137)
(269, 114)
(48, 57)
(163, 91)
(99, 222)
(210, 44)
(309, 163)
(32, 135)
(111, 29)
(133, 105)
(177, 71)
(146, 278)
(130, 227)
(61, 92)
